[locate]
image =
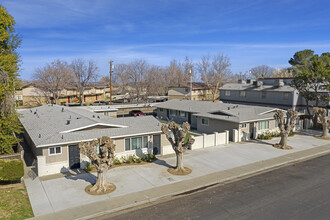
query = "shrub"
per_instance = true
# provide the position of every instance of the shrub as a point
(89, 166)
(11, 169)
(291, 133)
(117, 161)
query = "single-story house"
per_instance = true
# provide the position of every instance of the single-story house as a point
(206, 117)
(53, 133)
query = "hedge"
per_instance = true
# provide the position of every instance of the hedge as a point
(11, 170)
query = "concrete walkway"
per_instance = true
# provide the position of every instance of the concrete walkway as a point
(65, 198)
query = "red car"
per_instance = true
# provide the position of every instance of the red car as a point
(136, 113)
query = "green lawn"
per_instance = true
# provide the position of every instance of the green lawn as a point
(163, 121)
(188, 135)
(14, 202)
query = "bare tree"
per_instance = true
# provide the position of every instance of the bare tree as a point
(285, 125)
(155, 81)
(262, 71)
(214, 73)
(188, 67)
(101, 154)
(53, 78)
(175, 74)
(178, 145)
(132, 78)
(322, 116)
(84, 74)
(282, 72)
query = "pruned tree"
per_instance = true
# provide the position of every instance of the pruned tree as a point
(101, 154)
(84, 74)
(9, 66)
(176, 135)
(53, 78)
(262, 71)
(322, 116)
(214, 72)
(285, 125)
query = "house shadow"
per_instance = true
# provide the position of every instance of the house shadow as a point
(78, 175)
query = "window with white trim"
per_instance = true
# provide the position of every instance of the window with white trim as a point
(135, 143)
(55, 150)
(227, 93)
(244, 125)
(204, 121)
(286, 95)
(242, 93)
(262, 125)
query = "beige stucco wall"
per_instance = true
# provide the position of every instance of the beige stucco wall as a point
(120, 145)
(215, 126)
(57, 157)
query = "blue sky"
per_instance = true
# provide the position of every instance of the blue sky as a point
(251, 32)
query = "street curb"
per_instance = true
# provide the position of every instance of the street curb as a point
(184, 187)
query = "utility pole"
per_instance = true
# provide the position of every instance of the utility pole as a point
(191, 83)
(110, 82)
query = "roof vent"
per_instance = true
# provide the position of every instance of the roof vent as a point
(62, 136)
(93, 116)
(31, 110)
(67, 122)
(98, 116)
(39, 135)
(62, 109)
(228, 108)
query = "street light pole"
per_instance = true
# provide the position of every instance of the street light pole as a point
(110, 82)
(191, 83)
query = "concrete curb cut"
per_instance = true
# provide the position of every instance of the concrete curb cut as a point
(120, 203)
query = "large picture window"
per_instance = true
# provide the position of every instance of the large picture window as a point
(173, 112)
(227, 93)
(262, 125)
(135, 143)
(183, 114)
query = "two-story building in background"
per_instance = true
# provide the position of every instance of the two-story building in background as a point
(271, 92)
(200, 92)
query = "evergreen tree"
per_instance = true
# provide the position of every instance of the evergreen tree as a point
(9, 65)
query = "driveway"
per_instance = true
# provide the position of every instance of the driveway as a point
(53, 195)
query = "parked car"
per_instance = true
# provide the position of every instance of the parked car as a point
(136, 113)
(99, 103)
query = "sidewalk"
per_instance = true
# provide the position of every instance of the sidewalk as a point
(65, 198)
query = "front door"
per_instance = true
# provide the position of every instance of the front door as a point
(251, 130)
(156, 144)
(189, 118)
(74, 157)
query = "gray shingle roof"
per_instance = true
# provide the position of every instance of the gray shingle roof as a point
(227, 112)
(250, 87)
(46, 125)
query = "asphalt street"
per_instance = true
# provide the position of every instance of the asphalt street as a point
(299, 191)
